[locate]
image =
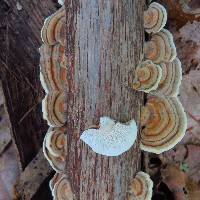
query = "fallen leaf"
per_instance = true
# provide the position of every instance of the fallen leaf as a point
(190, 32)
(190, 98)
(193, 189)
(175, 179)
(9, 173)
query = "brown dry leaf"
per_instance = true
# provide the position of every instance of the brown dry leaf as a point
(175, 179)
(193, 189)
(9, 173)
(191, 7)
(193, 162)
(190, 32)
(175, 155)
(185, 29)
(188, 49)
(190, 98)
(181, 11)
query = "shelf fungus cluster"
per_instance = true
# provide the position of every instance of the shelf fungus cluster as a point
(161, 71)
(147, 76)
(112, 138)
(163, 78)
(53, 71)
(53, 77)
(160, 74)
(140, 187)
(155, 18)
(161, 47)
(164, 123)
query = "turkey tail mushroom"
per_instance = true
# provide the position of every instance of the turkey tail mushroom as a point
(54, 109)
(164, 124)
(61, 188)
(53, 30)
(147, 76)
(56, 142)
(141, 187)
(161, 47)
(54, 145)
(53, 72)
(171, 78)
(155, 18)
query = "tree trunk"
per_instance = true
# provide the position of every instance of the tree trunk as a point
(104, 45)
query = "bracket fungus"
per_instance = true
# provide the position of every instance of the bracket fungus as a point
(147, 76)
(164, 123)
(141, 187)
(54, 109)
(56, 142)
(171, 78)
(54, 146)
(53, 71)
(53, 30)
(161, 47)
(155, 18)
(61, 188)
(112, 138)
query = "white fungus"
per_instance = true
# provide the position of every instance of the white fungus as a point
(112, 138)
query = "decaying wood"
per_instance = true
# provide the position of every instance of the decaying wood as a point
(33, 176)
(104, 45)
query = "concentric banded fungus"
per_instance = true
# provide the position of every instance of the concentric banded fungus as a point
(164, 122)
(147, 76)
(56, 162)
(112, 138)
(53, 72)
(141, 187)
(56, 142)
(53, 30)
(54, 109)
(155, 18)
(171, 78)
(62, 188)
(161, 47)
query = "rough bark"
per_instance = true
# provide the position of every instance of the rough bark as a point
(104, 45)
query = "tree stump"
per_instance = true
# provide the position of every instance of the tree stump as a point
(104, 45)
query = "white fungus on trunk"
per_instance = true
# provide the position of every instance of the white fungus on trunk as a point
(61, 2)
(112, 138)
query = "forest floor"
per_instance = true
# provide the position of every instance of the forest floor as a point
(9, 169)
